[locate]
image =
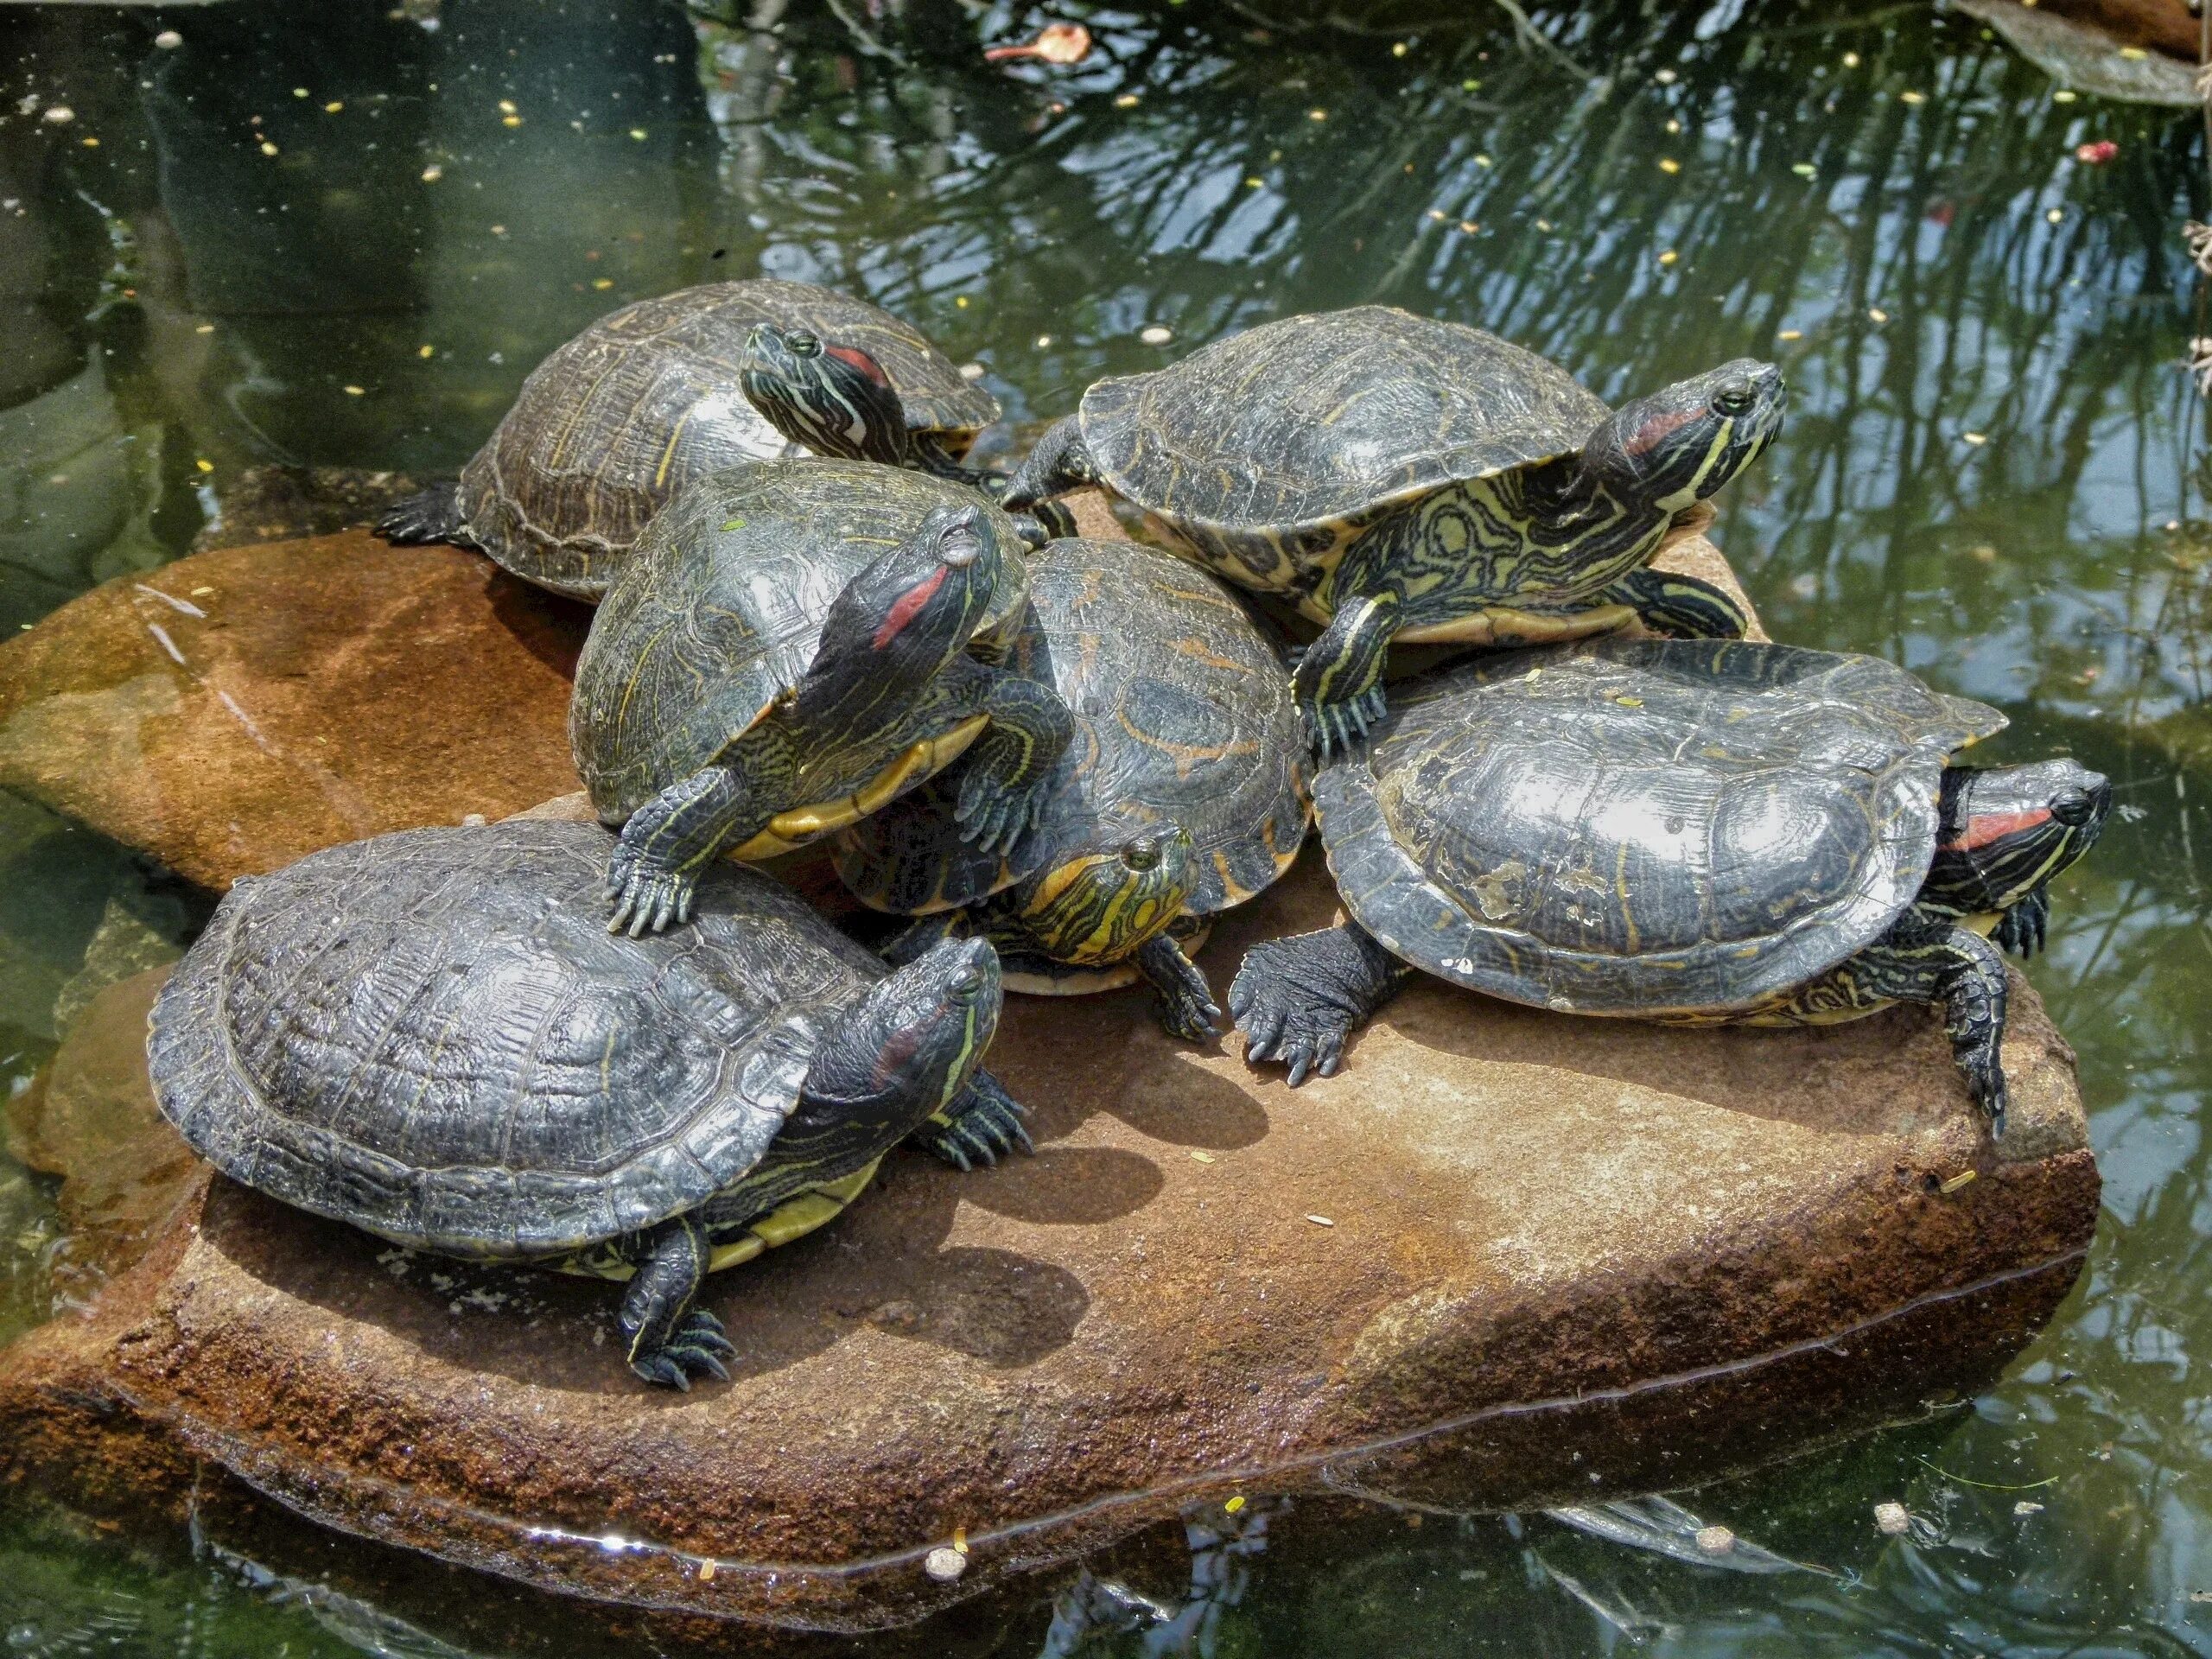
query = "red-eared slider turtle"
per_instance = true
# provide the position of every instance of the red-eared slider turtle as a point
(793, 644)
(1692, 832)
(1403, 478)
(610, 427)
(431, 1036)
(1181, 794)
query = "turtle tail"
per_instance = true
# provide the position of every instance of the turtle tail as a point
(431, 515)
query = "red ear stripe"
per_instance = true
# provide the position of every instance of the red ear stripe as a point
(903, 610)
(1658, 427)
(1986, 826)
(854, 356)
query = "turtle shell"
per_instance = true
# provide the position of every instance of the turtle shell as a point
(432, 1035)
(614, 422)
(1260, 450)
(1183, 713)
(1644, 827)
(719, 612)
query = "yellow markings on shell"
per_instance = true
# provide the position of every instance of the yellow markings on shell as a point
(1197, 650)
(1231, 894)
(1634, 939)
(1187, 757)
(788, 831)
(668, 453)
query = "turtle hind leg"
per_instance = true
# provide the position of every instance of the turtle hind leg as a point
(1681, 607)
(431, 515)
(983, 1124)
(1186, 1008)
(1059, 463)
(1339, 680)
(653, 873)
(1297, 1000)
(669, 1341)
(1045, 521)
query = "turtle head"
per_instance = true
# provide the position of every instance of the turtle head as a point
(904, 618)
(898, 1057)
(1103, 903)
(835, 400)
(1680, 446)
(2005, 830)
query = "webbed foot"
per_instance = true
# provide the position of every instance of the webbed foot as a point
(653, 873)
(697, 1347)
(994, 814)
(2024, 929)
(1282, 1020)
(981, 1126)
(431, 515)
(646, 900)
(1337, 681)
(1184, 1003)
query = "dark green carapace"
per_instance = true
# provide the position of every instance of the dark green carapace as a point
(1182, 793)
(612, 426)
(432, 1036)
(1690, 831)
(1401, 478)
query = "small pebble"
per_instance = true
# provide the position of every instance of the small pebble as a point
(1715, 1540)
(971, 370)
(1320, 1221)
(1892, 1520)
(945, 1564)
(472, 820)
(168, 40)
(61, 115)
(1157, 335)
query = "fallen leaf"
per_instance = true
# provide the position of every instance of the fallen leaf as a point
(1055, 43)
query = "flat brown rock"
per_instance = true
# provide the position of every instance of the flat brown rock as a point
(241, 708)
(1508, 1258)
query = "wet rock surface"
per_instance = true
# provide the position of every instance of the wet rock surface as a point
(1508, 1258)
(241, 708)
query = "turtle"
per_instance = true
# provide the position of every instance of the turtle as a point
(430, 1036)
(1692, 831)
(611, 426)
(793, 644)
(1182, 793)
(1399, 478)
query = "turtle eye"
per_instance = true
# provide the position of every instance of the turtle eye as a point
(967, 983)
(803, 343)
(1142, 856)
(1733, 400)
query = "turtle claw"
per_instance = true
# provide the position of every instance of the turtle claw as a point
(646, 900)
(2024, 928)
(992, 818)
(697, 1347)
(1284, 1023)
(1338, 729)
(982, 1126)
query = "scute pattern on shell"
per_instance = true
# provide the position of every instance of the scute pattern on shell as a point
(431, 1035)
(1183, 712)
(1271, 439)
(721, 611)
(616, 421)
(1644, 826)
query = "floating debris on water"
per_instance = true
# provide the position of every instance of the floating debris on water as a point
(1156, 334)
(1055, 43)
(2096, 154)
(1893, 1519)
(168, 40)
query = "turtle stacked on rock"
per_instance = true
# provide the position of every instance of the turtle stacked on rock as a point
(1400, 479)
(611, 426)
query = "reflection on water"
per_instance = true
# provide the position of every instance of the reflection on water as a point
(341, 238)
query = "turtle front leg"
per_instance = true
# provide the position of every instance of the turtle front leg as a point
(982, 1125)
(1681, 607)
(2022, 930)
(666, 846)
(431, 515)
(671, 1342)
(1338, 679)
(1297, 1000)
(1974, 996)
(1187, 1007)
(1059, 463)
(913, 942)
(1045, 521)
(1008, 776)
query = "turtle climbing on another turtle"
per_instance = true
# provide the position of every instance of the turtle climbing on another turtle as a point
(431, 1036)
(608, 428)
(794, 644)
(1692, 832)
(1401, 478)
(1182, 792)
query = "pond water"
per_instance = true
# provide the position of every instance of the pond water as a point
(342, 236)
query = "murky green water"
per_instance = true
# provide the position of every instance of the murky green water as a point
(1987, 475)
